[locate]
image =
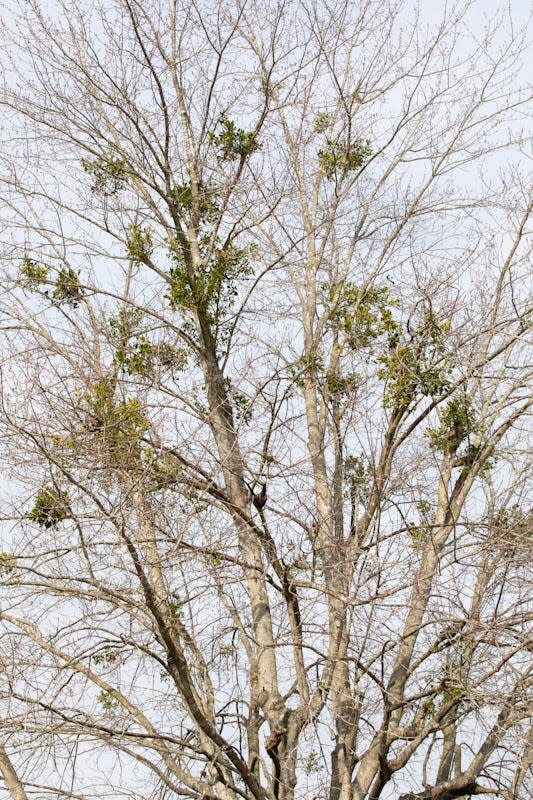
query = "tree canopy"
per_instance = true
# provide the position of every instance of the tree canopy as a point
(266, 387)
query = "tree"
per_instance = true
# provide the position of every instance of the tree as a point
(266, 392)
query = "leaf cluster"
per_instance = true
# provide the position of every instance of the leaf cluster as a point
(307, 366)
(8, 563)
(323, 121)
(337, 159)
(416, 366)
(233, 142)
(212, 288)
(312, 763)
(117, 426)
(512, 529)
(106, 658)
(240, 402)
(203, 200)
(422, 532)
(139, 243)
(340, 385)
(358, 476)
(458, 422)
(51, 506)
(108, 174)
(362, 316)
(68, 287)
(32, 273)
(140, 356)
(107, 701)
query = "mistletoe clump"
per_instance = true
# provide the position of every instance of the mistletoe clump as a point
(32, 273)
(458, 422)
(200, 199)
(51, 506)
(108, 174)
(68, 287)
(141, 356)
(211, 288)
(139, 243)
(362, 315)
(117, 426)
(233, 142)
(416, 366)
(337, 159)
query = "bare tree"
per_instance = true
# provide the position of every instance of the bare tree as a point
(266, 402)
